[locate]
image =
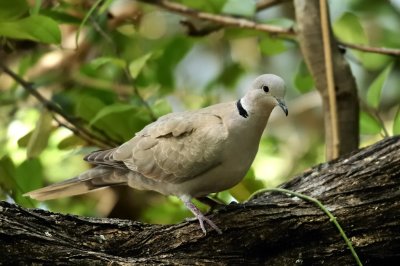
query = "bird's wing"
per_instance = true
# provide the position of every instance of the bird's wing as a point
(175, 148)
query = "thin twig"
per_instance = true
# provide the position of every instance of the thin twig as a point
(228, 21)
(369, 49)
(330, 79)
(78, 129)
(332, 218)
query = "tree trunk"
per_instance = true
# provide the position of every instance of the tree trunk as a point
(310, 39)
(362, 191)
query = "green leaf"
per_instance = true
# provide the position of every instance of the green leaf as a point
(161, 107)
(120, 121)
(105, 6)
(16, 182)
(369, 125)
(87, 16)
(246, 8)
(7, 174)
(349, 29)
(235, 33)
(23, 141)
(375, 89)
(272, 46)
(29, 176)
(173, 52)
(88, 107)
(230, 75)
(98, 62)
(60, 17)
(283, 22)
(374, 62)
(111, 109)
(40, 135)
(70, 142)
(303, 81)
(36, 8)
(213, 6)
(396, 123)
(12, 10)
(136, 66)
(34, 28)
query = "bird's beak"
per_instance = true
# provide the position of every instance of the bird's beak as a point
(282, 105)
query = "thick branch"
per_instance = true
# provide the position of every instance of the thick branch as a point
(362, 191)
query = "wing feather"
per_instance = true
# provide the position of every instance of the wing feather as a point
(175, 148)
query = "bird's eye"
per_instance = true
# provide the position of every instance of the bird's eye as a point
(265, 88)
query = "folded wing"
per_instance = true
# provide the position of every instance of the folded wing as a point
(175, 148)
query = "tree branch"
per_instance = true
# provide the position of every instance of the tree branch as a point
(310, 35)
(370, 49)
(76, 128)
(361, 191)
(227, 21)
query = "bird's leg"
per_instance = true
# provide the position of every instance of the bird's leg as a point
(211, 202)
(197, 213)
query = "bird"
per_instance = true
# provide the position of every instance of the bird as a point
(188, 154)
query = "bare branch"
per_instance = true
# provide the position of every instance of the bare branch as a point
(369, 49)
(228, 21)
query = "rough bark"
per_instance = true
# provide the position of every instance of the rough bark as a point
(310, 39)
(362, 190)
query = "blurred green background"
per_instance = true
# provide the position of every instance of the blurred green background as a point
(133, 62)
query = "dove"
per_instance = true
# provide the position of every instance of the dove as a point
(187, 154)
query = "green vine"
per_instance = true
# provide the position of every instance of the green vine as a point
(323, 208)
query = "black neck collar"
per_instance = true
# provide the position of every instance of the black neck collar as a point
(241, 110)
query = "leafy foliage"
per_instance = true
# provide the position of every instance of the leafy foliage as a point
(375, 90)
(244, 8)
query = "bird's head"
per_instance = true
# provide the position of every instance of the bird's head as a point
(266, 92)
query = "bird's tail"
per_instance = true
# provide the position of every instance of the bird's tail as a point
(93, 179)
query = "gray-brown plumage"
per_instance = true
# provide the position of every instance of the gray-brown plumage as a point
(188, 154)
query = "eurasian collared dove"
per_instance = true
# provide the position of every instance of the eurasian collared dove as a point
(188, 154)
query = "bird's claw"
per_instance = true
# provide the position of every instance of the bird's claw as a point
(203, 219)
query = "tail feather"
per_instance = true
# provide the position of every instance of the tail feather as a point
(93, 179)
